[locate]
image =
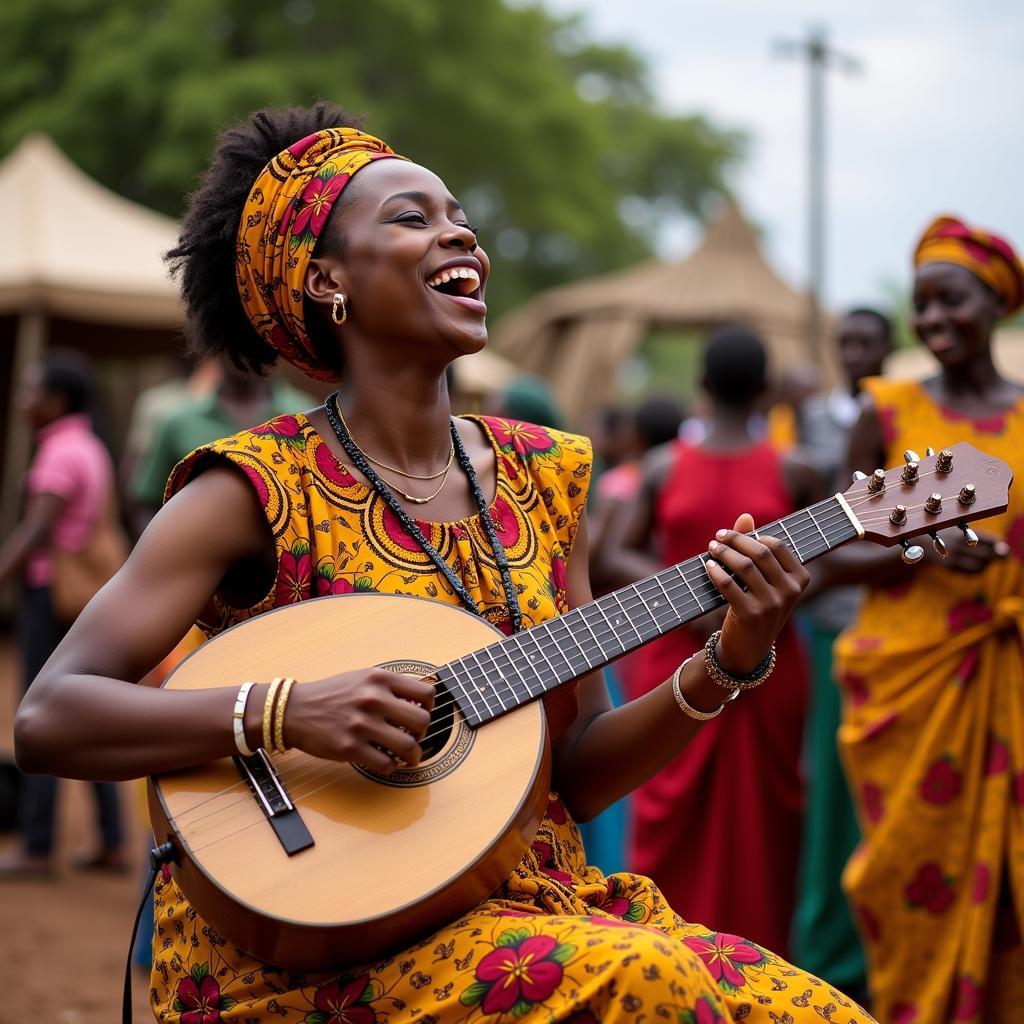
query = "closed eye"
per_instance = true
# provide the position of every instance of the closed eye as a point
(409, 218)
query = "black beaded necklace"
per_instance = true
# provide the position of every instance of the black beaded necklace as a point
(409, 525)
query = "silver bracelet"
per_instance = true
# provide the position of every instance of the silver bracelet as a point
(238, 719)
(686, 707)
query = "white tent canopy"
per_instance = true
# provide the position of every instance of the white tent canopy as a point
(75, 249)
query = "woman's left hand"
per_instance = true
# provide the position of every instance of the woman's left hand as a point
(774, 580)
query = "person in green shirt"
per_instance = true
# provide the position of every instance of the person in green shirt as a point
(236, 403)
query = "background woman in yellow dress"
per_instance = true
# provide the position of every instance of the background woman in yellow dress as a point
(933, 674)
(310, 240)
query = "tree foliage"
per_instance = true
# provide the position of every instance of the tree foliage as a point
(546, 137)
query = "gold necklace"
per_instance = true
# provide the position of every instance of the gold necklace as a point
(405, 494)
(395, 469)
(412, 497)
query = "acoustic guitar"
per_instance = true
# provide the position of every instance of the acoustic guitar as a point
(313, 864)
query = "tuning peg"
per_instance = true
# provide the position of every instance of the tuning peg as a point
(944, 461)
(858, 476)
(909, 475)
(929, 452)
(898, 516)
(911, 456)
(940, 545)
(969, 535)
(933, 503)
(911, 553)
(967, 495)
(877, 482)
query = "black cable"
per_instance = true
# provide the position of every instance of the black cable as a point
(158, 857)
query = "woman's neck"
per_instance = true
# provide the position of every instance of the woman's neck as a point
(977, 379)
(400, 418)
(728, 429)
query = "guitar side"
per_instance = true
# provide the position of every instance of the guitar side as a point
(393, 857)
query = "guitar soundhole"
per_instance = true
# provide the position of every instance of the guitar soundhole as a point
(447, 741)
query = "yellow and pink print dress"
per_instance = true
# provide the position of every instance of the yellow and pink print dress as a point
(558, 941)
(933, 743)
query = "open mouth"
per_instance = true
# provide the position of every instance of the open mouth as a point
(457, 283)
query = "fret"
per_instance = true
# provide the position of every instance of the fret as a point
(682, 573)
(480, 683)
(512, 673)
(488, 685)
(544, 632)
(515, 651)
(657, 579)
(792, 543)
(468, 704)
(636, 592)
(583, 618)
(818, 528)
(613, 596)
(540, 651)
(570, 643)
(661, 611)
(622, 647)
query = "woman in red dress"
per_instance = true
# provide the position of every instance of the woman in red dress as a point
(719, 827)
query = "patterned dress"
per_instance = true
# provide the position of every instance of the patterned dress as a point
(933, 743)
(558, 941)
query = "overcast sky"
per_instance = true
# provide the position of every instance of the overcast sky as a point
(931, 125)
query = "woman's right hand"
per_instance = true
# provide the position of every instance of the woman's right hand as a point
(360, 717)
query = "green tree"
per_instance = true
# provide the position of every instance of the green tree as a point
(546, 137)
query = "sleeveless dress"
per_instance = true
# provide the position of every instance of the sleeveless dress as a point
(718, 829)
(558, 941)
(933, 743)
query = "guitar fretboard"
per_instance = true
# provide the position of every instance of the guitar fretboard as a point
(525, 666)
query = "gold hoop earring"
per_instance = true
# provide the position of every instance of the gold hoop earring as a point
(339, 300)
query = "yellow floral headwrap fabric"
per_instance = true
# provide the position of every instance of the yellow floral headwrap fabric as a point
(987, 256)
(286, 212)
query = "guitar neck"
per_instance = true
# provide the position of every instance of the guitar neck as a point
(525, 666)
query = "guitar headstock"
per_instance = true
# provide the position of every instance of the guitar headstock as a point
(949, 488)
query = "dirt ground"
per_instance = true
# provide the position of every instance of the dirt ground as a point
(63, 943)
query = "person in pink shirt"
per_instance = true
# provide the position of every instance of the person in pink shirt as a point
(66, 491)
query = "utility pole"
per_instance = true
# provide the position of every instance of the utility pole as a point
(820, 57)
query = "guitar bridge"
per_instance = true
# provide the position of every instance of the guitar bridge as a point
(266, 785)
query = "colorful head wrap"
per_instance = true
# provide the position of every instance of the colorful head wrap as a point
(284, 215)
(987, 256)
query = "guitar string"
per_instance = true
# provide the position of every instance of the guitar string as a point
(833, 516)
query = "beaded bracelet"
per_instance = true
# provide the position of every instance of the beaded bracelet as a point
(689, 709)
(733, 680)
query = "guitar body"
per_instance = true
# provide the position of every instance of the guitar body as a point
(393, 858)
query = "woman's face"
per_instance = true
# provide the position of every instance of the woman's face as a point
(953, 313)
(412, 268)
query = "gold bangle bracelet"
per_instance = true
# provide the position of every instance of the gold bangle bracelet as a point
(282, 701)
(268, 715)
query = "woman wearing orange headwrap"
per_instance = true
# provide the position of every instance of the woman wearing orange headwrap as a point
(359, 266)
(933, 674)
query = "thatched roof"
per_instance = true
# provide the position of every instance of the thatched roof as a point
(577, 334)
(76, 249)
